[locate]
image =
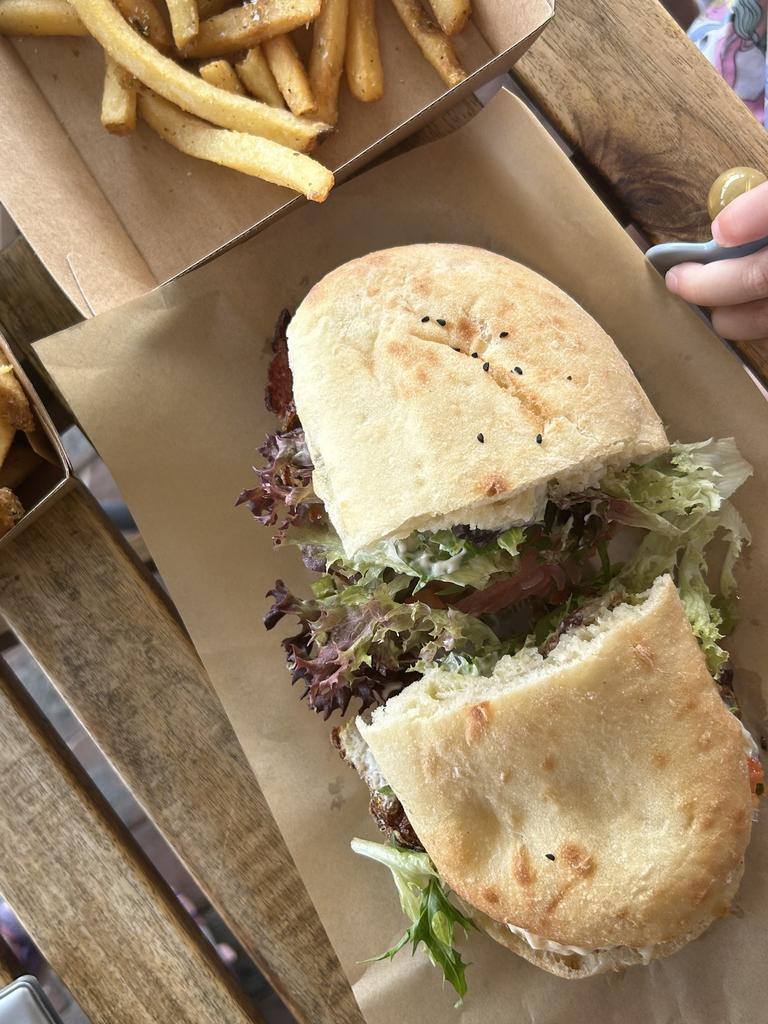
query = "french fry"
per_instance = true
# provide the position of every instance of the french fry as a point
(252, 22)
(433, 43)
(185, 20)
(245, 153)
(207, 8)
(285, 64)
(11, 510)
(15, 413)
(451, 15)
(14, 405)
(39, 18)
(7, 434)
(20, 461)
(326, 58)
(221, 74)
(146, 19)
(258, 79)
(365, 75)
(118, 100)
(186, 90)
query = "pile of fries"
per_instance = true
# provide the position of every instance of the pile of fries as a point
(17, 456)
(226, 83)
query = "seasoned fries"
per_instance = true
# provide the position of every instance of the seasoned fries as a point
(15, 415)
(14, 407)
(252, 22)
(326, 60)
(255, 75)
(365, 75)
(185, 20)
(246, 153)
(221, 74)
(39, 18)
(11, 510)
(118, 101)
(214, 77)
(433, 43)
(186, 90)
(288, 71)
(452, 15)
(146, 19)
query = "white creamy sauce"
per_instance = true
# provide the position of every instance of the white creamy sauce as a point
(425, 563)
(750, 744)
(360, 755)
(548, 945)
(538, 942)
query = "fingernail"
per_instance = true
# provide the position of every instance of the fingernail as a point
(717, 234)
(671, 279)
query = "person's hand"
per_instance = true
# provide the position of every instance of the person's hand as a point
(736, 290)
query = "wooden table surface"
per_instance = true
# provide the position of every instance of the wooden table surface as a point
(652, 126)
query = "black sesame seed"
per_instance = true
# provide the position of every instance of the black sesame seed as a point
(455, 349)
(569, 377)
(425, 319)
(441, 322)
(481, 439)
(538, 439)
(475, 355)
(549, 856)
(504, 334)
(519, 370)
(486, 367)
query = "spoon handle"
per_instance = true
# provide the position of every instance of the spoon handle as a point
(664, 257)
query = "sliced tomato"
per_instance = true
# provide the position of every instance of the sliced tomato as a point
(756, 774)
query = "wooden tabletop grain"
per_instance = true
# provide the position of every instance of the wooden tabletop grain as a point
(652, 126)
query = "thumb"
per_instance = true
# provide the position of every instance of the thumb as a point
(743, 220)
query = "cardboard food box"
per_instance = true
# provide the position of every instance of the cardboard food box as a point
(112, 217)
(170, 390)
(37, 468)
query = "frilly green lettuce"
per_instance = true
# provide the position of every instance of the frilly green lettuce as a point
(684, 556)
(674, 492)
(424, 901)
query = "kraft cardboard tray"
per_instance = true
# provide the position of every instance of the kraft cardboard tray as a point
(52, 475)
(169, 388)
(112, 217)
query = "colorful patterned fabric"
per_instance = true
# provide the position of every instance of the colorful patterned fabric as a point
(731, 35)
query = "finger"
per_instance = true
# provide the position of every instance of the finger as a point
(746, 322)
(743, 220)
(721, 284)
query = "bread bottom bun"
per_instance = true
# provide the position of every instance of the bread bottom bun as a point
(574, 966)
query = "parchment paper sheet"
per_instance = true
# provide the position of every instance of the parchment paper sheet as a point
(111, 217)
(170, 390)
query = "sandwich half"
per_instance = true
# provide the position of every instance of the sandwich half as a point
(444, 385)
(591, 807)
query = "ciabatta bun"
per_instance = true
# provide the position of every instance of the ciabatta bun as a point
(599, 798)
(443, 384)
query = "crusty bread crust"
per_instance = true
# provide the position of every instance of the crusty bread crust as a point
(614, 756)
(574, 967)
(394, 404)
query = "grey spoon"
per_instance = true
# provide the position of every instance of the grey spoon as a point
(669, 254)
